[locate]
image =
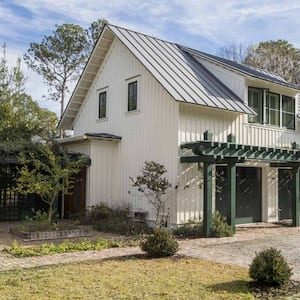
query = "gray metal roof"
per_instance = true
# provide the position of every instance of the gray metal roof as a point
(184, 78)
(104, 136)
(242, 68)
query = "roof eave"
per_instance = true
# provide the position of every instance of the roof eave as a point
(86, 78)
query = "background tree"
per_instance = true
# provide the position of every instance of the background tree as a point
(235, 51)
(94, 31)
(46, 171)
(59, 58)
(153, 185)
(21, 117)
(279, 57)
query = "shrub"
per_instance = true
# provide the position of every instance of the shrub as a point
(115, 220)
(219, 226)
(160, 244)
(270, 268)
(191, 229)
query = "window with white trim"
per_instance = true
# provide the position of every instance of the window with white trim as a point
(271, 108)
(132, 96)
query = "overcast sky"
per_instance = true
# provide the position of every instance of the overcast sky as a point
(202, 24)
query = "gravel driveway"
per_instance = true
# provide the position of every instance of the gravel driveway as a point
(240, 249)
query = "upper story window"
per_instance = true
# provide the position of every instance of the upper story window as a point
(132, 96)
(288, 112)
(102, 105)
(271, 108)
(255, 101)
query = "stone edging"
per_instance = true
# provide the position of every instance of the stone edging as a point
(48, 235)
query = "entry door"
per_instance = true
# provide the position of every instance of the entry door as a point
(285, 194)
(75, 202)
(248, 194)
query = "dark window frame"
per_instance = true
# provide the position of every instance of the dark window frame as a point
(252, 119)
(291, 112)
(268, 110)
(102, 105)
(284, 117)
(132, 96)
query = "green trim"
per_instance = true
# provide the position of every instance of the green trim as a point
(207, 207)
(232, 193)
(219, 151)
(296, 197)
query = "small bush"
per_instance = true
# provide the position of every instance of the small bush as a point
(219, 226)
(191, 229)
(160, 244)
(270, 268)
(115, 220)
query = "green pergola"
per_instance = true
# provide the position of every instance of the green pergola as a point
(210, 153)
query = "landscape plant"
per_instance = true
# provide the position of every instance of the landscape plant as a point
(160, 244)
(114, 220)
(66, 246)
(154, 186)
(48, 171)
(269, 267)
(219, 226)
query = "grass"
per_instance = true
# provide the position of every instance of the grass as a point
(131, 278)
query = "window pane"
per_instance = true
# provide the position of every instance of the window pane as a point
(288, 104)
(272, 109)
(102, 105)
(255, 101)
(132, 96)
(288, 120)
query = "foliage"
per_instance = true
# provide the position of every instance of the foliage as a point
(270, 268)
(279, 57)
(48, 171)
(59, 58)
(134, 278)
(21, 118)
(153, 185)
(160, 244)
(219, 226)
(193, 228)
(114, 220)
(66, 246)
(94, 31)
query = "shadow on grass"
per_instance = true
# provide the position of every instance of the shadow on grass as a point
(233, 287)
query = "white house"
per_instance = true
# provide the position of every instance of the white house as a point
(227, 133)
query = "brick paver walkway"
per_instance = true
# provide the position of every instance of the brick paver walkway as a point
(239, 250)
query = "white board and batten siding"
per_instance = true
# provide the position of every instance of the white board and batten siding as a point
(194, 121)
(150, 133)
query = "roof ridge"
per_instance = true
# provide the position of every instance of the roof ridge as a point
(144, 34)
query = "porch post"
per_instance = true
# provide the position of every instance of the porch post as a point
(207, 209)
(295, 198)
(232, 193)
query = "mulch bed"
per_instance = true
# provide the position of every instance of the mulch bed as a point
(271, 292)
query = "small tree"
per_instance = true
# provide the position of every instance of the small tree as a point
(153, 185)
(46, 171)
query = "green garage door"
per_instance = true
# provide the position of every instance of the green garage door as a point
(248, 194)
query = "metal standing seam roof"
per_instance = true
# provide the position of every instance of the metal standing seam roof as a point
(242, 68)
(185, 78)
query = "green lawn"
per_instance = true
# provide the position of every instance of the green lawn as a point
(134, 278)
